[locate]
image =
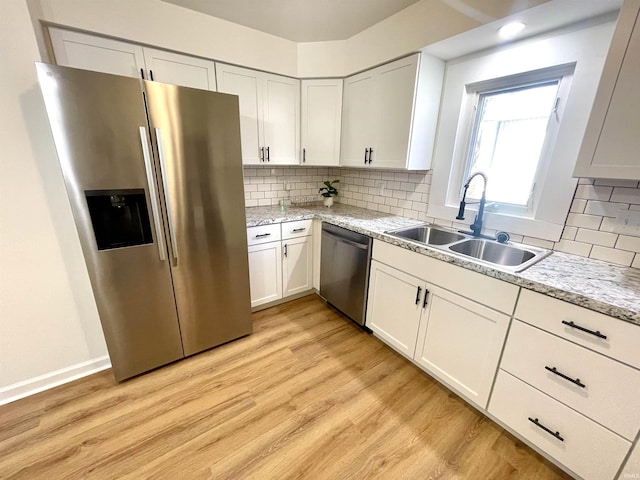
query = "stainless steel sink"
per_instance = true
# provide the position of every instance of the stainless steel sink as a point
(517, 257)
(511, 257)
(429, 235)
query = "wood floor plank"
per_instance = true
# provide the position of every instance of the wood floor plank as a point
(308, 396)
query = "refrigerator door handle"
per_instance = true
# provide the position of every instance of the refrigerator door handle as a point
(167, 199)
(155, 209)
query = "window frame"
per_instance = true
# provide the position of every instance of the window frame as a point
(586, 46)
(563, 74)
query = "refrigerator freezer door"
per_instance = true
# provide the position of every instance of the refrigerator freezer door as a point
(197, 140)
(95, 119)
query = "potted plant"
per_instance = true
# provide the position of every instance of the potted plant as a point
(328, 192)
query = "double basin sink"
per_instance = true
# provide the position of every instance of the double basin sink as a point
(504, 256)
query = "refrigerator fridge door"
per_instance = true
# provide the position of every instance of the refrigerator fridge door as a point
(197, 136)
(99, 127)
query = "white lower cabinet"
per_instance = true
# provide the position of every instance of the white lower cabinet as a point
(394, 307)
(631, 467)
(455, 339)
(460, 342)
(583, 446)
(297, 266)
(280, 268)
(265, 272)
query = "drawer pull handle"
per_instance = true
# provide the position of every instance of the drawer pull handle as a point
(418, 295)
(582, 329)
(575, 381)
(548, 430)
(262, 235)
(297, 230)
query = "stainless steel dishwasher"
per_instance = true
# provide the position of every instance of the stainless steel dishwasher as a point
(344, 270)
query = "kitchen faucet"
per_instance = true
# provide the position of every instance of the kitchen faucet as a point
(476, 226)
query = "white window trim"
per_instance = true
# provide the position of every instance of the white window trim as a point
(587, 49)
(561, 73)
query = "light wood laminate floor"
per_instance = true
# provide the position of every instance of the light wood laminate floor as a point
(307, 396)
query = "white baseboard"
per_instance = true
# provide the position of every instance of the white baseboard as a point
(22, 389)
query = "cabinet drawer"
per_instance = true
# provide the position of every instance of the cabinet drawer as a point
(263, 234)
(610, 391)
(622, 338)
(586, 448)
(299, 228)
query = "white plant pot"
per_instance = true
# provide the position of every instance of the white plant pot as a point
(328, 201)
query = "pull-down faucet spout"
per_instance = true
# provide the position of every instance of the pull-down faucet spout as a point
(476, 226)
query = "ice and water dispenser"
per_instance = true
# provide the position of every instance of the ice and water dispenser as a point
(119, 217)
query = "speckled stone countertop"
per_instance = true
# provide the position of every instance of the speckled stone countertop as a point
(600, 286)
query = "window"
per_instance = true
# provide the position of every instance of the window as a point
(510, 123)
(508, 135)
(499, 114)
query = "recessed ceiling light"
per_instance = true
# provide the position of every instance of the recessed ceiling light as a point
(510, 29)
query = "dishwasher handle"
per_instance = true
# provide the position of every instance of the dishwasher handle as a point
(362, 246)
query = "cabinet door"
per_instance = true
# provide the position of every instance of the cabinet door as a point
(179, 69)
(631, 468)
(265, 273)
(79, 50)
(611, 141)
(460, 343)
(394, 97)
(246, 84)
(281, 119)
(394, 307)
(297, 266)
(358, 122)
(321, 121)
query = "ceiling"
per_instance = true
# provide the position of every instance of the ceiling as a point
(323, 20)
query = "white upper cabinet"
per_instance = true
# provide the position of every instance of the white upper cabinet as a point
(79, 50)
(611, 143)
(246, 84)
(321, 121)
(390, 114)
(281, 120)
(358, 119)
(179, 69)
(269, 114)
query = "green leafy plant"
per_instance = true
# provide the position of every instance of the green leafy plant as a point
(329, 190)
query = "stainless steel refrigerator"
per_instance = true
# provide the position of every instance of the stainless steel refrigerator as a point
(154, 176)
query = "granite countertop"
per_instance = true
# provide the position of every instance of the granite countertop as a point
(599, 286)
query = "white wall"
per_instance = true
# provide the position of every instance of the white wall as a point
(168, 26)
(48, 317)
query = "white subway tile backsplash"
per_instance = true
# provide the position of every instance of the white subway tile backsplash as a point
(626, 195)
(596, 237)
(591, 192)
(576, 248)
(626, 242)
(569, 233)
(606, 209)
(621, 257)
(608, 225)
(537, 242)
(585, 221)
(578, 205)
